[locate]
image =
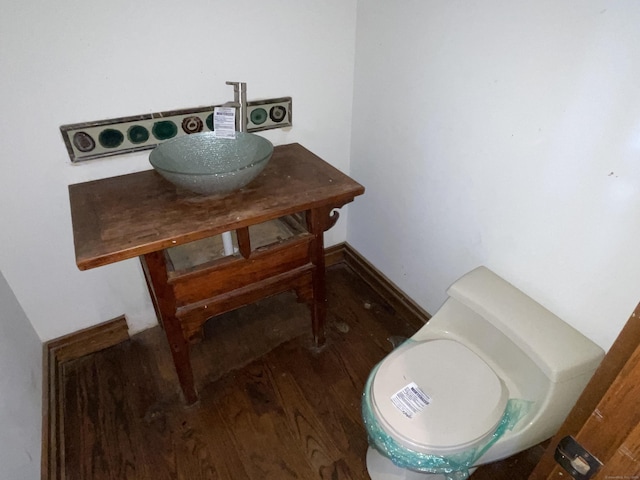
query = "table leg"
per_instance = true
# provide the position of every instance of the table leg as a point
(319, 303)
(155, 270)
(318, 221)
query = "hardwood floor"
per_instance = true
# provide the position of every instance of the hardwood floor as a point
(271, 406)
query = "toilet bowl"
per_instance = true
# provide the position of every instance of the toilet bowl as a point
(491, 374)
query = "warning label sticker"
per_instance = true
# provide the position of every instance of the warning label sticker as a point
(410, 400)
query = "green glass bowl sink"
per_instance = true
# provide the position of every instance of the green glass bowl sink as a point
(206, 164)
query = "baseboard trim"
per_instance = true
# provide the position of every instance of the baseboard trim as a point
(405, 306)
(93, 339)
(55, 353)
(334, 255)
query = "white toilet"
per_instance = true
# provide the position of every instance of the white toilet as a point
(489, 353)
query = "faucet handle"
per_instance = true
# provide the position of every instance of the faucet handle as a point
(239, 91)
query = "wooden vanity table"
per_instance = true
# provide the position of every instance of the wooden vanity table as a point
(141, 214)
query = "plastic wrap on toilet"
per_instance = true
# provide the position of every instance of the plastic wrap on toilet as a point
(454, 467)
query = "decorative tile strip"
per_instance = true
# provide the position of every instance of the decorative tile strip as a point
(117, 136)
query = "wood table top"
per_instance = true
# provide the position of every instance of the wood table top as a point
(130, 215)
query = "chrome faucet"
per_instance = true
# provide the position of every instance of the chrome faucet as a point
(239, 102)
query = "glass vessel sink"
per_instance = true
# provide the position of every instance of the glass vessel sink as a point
(206, 164)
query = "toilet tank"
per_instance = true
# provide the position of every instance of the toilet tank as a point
(559, 350)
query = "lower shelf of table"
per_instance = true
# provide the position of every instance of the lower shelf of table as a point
(192, 317)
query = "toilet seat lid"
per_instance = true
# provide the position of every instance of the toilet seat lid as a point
(437, 397)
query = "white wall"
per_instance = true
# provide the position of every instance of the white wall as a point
(21, 390)
(506, 134)
(68, 62)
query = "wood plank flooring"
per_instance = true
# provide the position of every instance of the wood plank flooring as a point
(271, 406)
